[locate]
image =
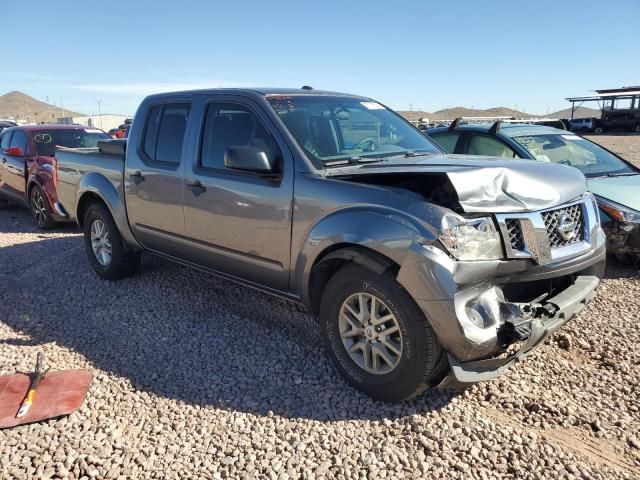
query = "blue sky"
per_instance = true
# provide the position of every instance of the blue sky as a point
(420, 54)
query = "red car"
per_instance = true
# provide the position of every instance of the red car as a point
(29, 171)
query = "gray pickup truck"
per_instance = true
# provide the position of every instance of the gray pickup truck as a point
(424, 269)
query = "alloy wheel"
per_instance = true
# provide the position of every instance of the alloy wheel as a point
(38, 208)
(100, 242)
(370, 333)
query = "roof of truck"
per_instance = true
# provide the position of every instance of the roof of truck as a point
(262, 91)
(54, 126)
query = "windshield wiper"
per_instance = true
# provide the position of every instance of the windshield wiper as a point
(352, 161)
(622, 174)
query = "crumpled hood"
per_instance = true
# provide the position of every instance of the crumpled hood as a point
(489, 184)
(623, 190)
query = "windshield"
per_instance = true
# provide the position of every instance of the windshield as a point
(335, 129)
(46, 141)
(568, 149)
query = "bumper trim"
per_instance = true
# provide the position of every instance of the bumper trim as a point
(569, 302)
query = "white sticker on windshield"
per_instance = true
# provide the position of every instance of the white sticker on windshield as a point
(92, 130)
(372, 105)
(570, 137)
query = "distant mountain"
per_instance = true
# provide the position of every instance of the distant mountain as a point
(451, 113)
(415, 115)
(581, 112)
(455, 112)
(20, 106)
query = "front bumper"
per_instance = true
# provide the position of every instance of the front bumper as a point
(623, 238)
(568, 303)
(478, 309)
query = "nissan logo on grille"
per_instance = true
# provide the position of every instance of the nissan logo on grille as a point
(566, 227)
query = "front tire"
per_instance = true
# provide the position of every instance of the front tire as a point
(40, 210)
(378, 338)
(104, 246)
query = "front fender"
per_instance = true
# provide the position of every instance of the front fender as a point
(96, 184)
(388, 232)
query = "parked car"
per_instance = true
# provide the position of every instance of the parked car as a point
(614, 181)
(28, 172)
(583, 125)
(7, 124)
(423, 268)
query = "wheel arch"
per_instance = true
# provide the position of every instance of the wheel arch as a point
(377, 240)
(95, 188)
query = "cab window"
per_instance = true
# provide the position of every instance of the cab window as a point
(164, 133)
(486, 145)
(232, 125)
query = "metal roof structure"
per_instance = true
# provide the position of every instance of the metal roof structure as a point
(604, 95)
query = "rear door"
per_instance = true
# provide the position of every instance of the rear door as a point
(239, 223)
(14, 167)
(5, 140)
(153, 178)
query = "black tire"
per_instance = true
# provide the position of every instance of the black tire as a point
(123, 263)
(599, 130)
(40, 210)
(421, 350)
(637, 128)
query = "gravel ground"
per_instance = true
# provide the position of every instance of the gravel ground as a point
(196, 377)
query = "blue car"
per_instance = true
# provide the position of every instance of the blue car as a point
(614, 181)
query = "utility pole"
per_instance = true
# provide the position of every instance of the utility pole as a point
(99, 102)
(61, 107)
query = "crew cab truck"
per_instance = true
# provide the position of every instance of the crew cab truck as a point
(424, 270)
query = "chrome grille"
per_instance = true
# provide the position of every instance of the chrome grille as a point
(514, 231)
(565, 226)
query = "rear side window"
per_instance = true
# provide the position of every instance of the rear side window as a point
(19, 139)
(164, 132)
(6, 140)
(447, 140)
(485, 145)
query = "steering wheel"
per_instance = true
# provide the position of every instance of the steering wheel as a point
(366, 144)
(565, 162)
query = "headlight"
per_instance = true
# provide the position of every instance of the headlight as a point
(471, 239)
(618, 212)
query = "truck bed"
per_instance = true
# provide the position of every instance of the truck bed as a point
(76, 163)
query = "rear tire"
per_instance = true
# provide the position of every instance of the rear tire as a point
(40, 210)
(599, 130)
(104, 246)
(411, 361)
(637, 128)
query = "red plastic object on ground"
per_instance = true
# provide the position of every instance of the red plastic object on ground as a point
(58, 393)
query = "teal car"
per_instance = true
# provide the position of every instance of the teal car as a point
(614, 181)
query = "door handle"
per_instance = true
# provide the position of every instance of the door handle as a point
(137, 177)
(196, 187)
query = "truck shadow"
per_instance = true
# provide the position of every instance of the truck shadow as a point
(184, 335)
(17, 219)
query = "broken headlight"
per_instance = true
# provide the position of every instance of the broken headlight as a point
(618, 212)
(471, 239)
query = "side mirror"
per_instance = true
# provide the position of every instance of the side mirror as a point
(14, 151)
(247, 158)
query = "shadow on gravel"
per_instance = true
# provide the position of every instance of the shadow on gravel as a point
(617, 269)
(184, 335)
(17, 219)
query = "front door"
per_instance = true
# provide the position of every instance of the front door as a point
(239, 222)
(14, 167)
(154, 179)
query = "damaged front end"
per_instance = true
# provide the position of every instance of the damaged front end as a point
(493, 307)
